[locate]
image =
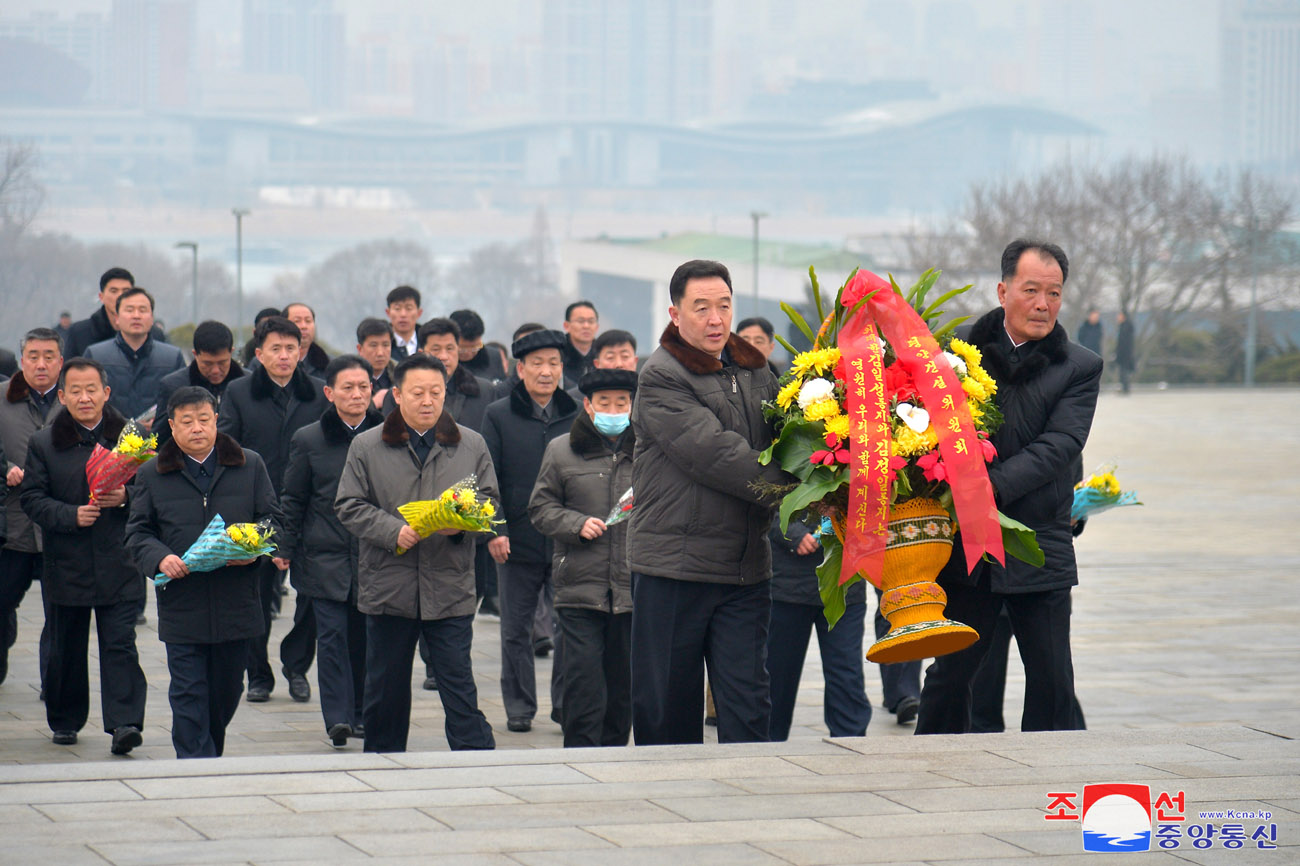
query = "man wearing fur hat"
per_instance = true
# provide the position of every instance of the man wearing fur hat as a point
(697, 544)
(583, 475)
(1047, 391)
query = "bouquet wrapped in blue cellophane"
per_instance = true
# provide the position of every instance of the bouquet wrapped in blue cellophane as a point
(218, 544)
(1100, 492)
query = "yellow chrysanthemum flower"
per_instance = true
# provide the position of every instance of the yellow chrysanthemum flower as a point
(815, 361)
(787, 395)
(236, 534)
(447, 495)
(966, 352)
(974, 389)
(908, 443)
(489, 510)
(822, 410)
(839, 425)
(976, 412)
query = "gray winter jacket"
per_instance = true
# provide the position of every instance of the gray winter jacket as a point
(135, 377)
(582, 476)
(699, 430)
(435, 579)
(19, 419)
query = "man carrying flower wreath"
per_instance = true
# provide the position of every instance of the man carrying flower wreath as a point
(697, 544)
(1047, 392)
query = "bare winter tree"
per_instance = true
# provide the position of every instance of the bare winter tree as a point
(351, 284)
(21, 193)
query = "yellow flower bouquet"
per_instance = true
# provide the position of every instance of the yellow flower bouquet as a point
(460, 506)
(108, 470)
(219, 544)
(1100, 492)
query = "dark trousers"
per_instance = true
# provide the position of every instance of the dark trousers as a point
(298, 648)
(485, 573)
(121, 681)
(679, 628)
(901, 679)
(390, 653)
(17, 572)
(989, 686)
(845, 705)
(341, 665)
(268, 587)
(207, 680)
(597, 676)
(521, 585)
(1041, 624)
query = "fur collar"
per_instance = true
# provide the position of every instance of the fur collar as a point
(18, 389)
(338, 433)
(65, 432)
(316, 358)
(465, 382)
(990, 336)
(172, 459)
(201, 381)
(700, 363)
(522, 404)
(300, 382)
(587, 441)
(395, 434)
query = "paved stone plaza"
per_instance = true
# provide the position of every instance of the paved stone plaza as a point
(1186, 642)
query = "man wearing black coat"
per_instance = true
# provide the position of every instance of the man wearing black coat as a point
(102, 324)
(1047, 392)
(208, 620)
(517, 429)
(262, 411)
(213, 367)
(797, 612)
(86, 568)
(323, 555)
(1125, 354)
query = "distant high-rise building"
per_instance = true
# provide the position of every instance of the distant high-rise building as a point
(1261, 81)
(628, 59)
(82, 39)
(305, 38)
(150, 61)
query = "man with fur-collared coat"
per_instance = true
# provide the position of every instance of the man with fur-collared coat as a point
(428, 589)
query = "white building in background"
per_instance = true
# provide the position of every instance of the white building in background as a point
(1261, 82)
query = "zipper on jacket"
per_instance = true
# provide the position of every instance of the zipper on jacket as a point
(733, 383)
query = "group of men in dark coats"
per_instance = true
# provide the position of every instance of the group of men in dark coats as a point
(642, 607)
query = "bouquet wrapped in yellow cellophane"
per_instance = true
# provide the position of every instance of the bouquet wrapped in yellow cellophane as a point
(459, 507)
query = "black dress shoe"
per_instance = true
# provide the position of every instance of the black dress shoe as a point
(339, 734)
(299, 688)
(430, 683)
(519, 725)
(543, 647)
(905, 712)
(65, 738)
(358, 732)
(258, 694)
(125, 739)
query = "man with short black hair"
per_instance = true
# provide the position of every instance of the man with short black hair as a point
(404, 311)
(428, 588)
(262, 411)
(322, 553)
(759, 333)
(375, 344)
(102, 324)
(30, 400)
(1047, 391)
(697, 542)
(312, 357)
(476, 357)
(248, 355)
(135, 362)
(86, 567)
(580, 325)
(614, 350)
(517, 429)
(213, 367)
(207, 620)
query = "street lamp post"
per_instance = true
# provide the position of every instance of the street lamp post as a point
(239, 213)
(756, 216)
(193, 247)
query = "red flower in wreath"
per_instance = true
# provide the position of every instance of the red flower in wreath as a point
(990, 451)
(932, 467)
(833, 453)
(895, 463)
(899, 384)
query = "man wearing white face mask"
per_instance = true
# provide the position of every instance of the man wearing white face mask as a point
(583, 475)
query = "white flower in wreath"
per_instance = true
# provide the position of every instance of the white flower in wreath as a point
(815, 390)
(913, 416)
(957, 363)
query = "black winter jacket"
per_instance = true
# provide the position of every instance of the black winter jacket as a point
(250, 415)
(1047, 392)
(96, 329)
(794, 576)
(82, 566)
(168, 512)
(516, 440)
(323, 554)
(183, 379)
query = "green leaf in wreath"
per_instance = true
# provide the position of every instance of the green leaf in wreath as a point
(817, 487)
(1020, 541)
(828, 580)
